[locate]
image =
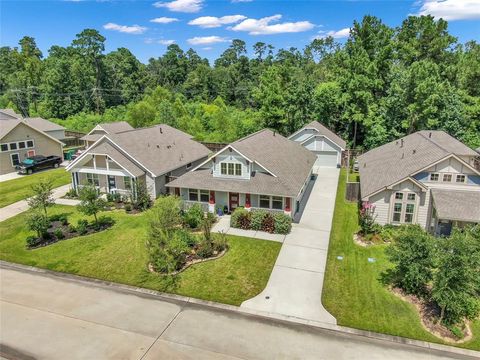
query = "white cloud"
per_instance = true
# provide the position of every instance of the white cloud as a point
(185, 6)
(166, 42)
(207, 40)
(213, 21)
(134, 29)
(263, 26)
(451, 9)
(336, 34)
(164, 20)
(207, 48)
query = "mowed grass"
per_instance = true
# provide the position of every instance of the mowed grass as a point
(119, 255)
(18, 189)
(353, 290)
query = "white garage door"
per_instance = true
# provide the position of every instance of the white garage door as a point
(326, 158)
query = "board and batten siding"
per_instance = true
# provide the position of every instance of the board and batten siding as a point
(321, 143)
(304, 135)
(230, 157)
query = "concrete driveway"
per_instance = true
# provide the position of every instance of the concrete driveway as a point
(295, 285)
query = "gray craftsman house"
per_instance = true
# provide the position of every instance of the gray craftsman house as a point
(263, 170)
(324, 143)
(427, 178)
(105, 129)
(149, 155)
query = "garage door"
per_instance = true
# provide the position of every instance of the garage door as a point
(326, 158)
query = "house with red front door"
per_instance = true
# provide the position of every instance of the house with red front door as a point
(261, 171)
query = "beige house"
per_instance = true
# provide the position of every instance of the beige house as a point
(105, 129)
(263, 170)
(19, 139)
(149, 155)
(427, 178)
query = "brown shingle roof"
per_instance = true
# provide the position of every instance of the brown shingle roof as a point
(323, 130)
(457, 205)
(42, 124)
(6, 114)
(7, 125)
(396, 160)
(116, 127)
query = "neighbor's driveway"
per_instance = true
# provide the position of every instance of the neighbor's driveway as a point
(295, 285)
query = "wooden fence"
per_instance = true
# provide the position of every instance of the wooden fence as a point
(352, 192)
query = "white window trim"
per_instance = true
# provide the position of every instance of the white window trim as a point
(465, 180)
(434, 173)
(270, 202)
(235, 164)
(17, 144)
(446, 174)
(199, 198)
(404, 201)
(11, 159)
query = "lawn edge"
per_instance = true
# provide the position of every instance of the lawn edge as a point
(139, 291)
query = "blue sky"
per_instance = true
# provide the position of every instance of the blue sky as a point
(147, 27)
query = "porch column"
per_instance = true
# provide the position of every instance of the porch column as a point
(248, 203)
(211, 202)
(74, 183)
(288, 210)
(177, 191)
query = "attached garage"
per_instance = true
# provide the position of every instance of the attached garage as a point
(327, 158)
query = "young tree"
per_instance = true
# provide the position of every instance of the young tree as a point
(164, 216)
(39, 223)
(413, 255)
(90, 201)
(42, 196)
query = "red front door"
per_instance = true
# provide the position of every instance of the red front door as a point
(233, 201)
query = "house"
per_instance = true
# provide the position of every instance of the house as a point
(323, 142)
(20, 139)
(148, 155)
(54, 130)
(263, 170)
(8, 114)
(427, 178)
(105, 129)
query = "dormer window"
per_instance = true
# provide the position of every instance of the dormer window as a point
(231, 169)
(434, 177)
(460, 178)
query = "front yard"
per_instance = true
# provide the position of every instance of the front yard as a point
(119, 255)
(18, 189)
(353, 291)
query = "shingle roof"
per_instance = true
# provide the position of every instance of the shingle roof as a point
(289, 161)
(457, 205)
(160, 148)
(116, 127)
(396, 160)
(7, 125)
(42, 124)
(478, 150)
(323, 130)
(91, 137)
(9, 114)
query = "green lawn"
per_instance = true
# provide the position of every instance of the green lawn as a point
(18, 189)
(353, 291)
(118, 254)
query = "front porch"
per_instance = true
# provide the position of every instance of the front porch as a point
(108, 183)
(226, 202)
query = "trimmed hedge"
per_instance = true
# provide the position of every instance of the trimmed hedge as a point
(274, 223)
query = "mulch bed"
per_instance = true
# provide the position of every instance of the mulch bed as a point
(429, 317)
(361, 240)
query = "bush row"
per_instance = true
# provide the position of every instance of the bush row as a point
(262, 220)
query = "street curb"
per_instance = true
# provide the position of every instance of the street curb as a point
(431, 347)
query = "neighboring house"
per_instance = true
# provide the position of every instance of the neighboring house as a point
(263, 170)
(427, 178)
(54, 130)
(324, 143)
(8, 114)
(105, 129)
(19, 140)
(149, 155)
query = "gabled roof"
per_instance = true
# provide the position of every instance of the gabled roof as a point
(7, 125)
(457, 205)
(115, 127)
(401, 158)
(42, 124)
(9, 114)
(323, 130)
(286, 162)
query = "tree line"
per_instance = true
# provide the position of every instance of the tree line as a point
(380, 84)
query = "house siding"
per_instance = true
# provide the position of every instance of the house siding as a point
(231, 157)
(321, 143)
(304, 135)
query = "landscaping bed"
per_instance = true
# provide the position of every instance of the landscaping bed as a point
(261, 220)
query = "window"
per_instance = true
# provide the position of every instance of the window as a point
(21, 145)
(204, 195)
(434, 177)
(277, 202)
(411, 197)
(238, 169)
(230, 168)
(399, 196)
(29, 143)
(447, 178)
(4, 147)
(460, 178)
(127, 183)
(15, 158)
(92, 179)
(397, 212)
(13, 146)
(223, 168)
(409, 210)
(264, 201)
(192, 194)
(189, 165)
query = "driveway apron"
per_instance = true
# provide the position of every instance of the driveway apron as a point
(295, 285)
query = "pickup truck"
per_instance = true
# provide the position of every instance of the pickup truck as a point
(38, 162)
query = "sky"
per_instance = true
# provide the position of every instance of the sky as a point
(147, 27)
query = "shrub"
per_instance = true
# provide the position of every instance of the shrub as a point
(220, 242)
(42, 196)
(33, 241)
(72, 229)
(178, 250)
(71, 193)
(128, 208)
(193, 217)
(205, 249)
(116, 197)
(283, 223)
(109, 197)
(142, 201)
(367, 219)
(257, 219)
(63, 218)
(39, 223)
(105, 221)
(82, 226)
(90, 202)
(268, 223)
(186, 237)
(58, 234)
(167, 251)
(240, 219)
(164, 217)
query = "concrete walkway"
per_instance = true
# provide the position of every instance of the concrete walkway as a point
(223, 225)
(49, 317)
(20, 206)
(295, 285)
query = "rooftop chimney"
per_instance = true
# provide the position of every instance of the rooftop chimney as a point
(430, 135)
(401, 143)
(161, 132)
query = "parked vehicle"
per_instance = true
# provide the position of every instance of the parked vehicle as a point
(355, 166)
(38, 162)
